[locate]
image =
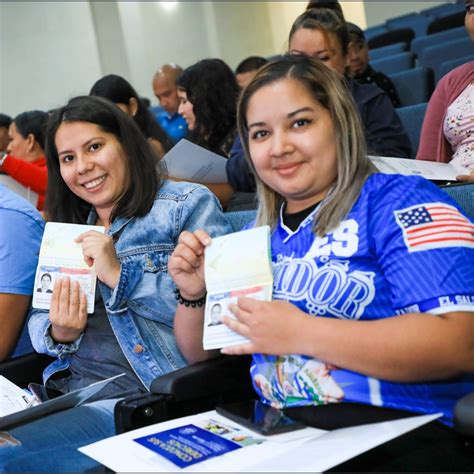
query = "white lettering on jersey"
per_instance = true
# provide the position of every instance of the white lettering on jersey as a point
(342, 242)
(329, 289)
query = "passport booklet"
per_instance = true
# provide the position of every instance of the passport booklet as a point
(236, 265)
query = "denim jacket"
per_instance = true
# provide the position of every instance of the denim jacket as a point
(141, 308)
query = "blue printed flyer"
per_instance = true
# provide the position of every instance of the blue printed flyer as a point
(191, 444)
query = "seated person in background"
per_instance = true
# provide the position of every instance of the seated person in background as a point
(121, 93)
(238, 172)
(24, 159)
(104, 172)
(166, 91)
(21, 230)
(447, 134)
(360, 69)
(5, 122)
(322, 34)
(247, 69)
(368, 307)
(208, 94)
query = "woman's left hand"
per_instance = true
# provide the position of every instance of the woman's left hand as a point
(273, 327)
(466, 178)
(99, 250)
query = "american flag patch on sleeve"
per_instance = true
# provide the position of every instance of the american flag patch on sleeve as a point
(434, 225)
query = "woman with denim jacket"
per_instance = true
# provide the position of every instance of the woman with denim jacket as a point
(103, 172)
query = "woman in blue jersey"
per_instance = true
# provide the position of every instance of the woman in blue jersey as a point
(373, 273)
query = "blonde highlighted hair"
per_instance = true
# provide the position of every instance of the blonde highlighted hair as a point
(353, 166)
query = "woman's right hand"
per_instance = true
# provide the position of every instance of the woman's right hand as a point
(68, 311)
(186, 264)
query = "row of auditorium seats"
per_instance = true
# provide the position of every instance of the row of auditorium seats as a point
(398, 46)
(425, 22)
(416, 67)
(432, 55)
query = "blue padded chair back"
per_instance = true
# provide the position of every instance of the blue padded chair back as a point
(239, 219)
(434, 56)
(374, 31)
(414, 86)
(412, 118)
(394, 21)
(447, 66)
(387, 51)
(446, 22)
(395, 63)
(391, 37)
(442, 10)
(464, 195)
(419, 44)
(418, 23)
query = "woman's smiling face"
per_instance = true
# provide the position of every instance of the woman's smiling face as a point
(93, 165)
(292, 143)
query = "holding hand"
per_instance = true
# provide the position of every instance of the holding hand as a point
(68, 312)
(466, 178)
(274, 327)
(186, 264)
(99, 250)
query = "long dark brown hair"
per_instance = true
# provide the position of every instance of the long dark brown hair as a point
(144, 177)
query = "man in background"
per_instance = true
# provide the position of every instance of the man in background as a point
(164, 87)
(247, 69)
(5, 122)
(360, 69)
(21, 230)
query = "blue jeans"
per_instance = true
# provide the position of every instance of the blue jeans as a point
(50, 444)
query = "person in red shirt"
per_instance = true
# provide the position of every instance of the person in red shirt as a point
(24, 159)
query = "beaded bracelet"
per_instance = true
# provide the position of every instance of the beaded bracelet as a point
(193, 303)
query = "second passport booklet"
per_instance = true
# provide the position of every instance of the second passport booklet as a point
(236, 265)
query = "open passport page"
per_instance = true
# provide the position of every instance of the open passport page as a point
(60, 257)
(236, 265)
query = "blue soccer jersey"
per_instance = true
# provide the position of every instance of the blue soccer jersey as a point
(404, 247)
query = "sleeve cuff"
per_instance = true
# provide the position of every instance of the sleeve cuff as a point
(58, 348)
(117, 303)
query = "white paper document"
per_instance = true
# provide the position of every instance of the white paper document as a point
(431, 170)
(33, 409)
(309, 449)
(12, 397)
(236, 265)
(18, 188)
(188, 161)
(60, 257)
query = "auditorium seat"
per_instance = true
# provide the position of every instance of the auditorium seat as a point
(373, 31)
(395, 63)
(412, 118)
(414, 86)
(418, 23)
(391, 37)
(447, 22)
(419, 44)
(447, 66)
(387, 51)
(463, 194)
(434, 56)
(442, 10)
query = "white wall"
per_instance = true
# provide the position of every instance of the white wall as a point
(51, 51)
(48, 53)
